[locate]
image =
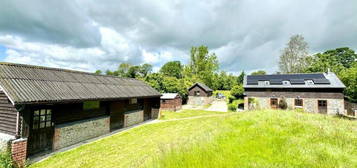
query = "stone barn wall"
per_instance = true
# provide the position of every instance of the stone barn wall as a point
(72, 133)
(133, 117)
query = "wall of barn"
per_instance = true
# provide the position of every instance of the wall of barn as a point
(192, 91)
(199, 101)
(335, 101)
(8, 115)
(71, 133)
(171, 104)
(351, 108)
(133, 117)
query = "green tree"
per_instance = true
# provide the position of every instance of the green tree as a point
(349, 78)
(260, 72)
(173, 69)
(202, 65)
(292, 59)
(240, 78)
(123, 69)
(237, 91)
(133, 71)
(98, 72)
(145, 69)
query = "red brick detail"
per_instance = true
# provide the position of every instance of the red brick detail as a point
(171, 104)
(19, 152)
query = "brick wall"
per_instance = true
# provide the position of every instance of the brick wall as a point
(18, 151)
(72, 133)
(173, 104)
(133, 117)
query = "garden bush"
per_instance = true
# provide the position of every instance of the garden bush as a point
(282, 104)
(237, 91)
(232, 107)
(5, 160)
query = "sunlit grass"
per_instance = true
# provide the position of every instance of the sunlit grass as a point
(166, 115)
(250, 139)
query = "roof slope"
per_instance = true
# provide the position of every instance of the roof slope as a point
(203, 86)
(26, 84)
(319, 80)
(169, 95)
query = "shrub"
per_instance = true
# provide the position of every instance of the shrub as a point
(231, 99)
(282, 104)
(237, 91)
(232, 107)
(5, 160)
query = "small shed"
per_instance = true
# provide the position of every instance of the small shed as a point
(171, 101)
(200, 90)
(199, 94)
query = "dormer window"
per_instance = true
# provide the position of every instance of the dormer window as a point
(263, 83)
(286, 82)
(309, 82)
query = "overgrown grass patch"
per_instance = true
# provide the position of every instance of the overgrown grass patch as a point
(264, 138)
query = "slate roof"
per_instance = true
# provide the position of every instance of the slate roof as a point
(320, 80)
(27, 84)
(167, 96)
(203, 86)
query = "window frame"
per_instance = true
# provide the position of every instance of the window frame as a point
(43, 116)
(296, 102)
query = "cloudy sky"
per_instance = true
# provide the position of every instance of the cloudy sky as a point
(245, 34)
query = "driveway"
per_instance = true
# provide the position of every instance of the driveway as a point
(218, 105)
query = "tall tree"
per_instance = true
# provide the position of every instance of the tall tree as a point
(123, 69)
(241, 78)
(145, 69)
(173, 69)
(292, 59)
(203, 65)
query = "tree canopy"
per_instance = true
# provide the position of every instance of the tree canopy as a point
(173, 69)
(260, 72)
(292, 59)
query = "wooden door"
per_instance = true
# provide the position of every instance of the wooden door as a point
(274, 103)
(116, 115)
(322, 106)
(41, 132)
(147, 109)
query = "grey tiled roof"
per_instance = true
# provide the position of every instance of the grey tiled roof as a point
(320, 80)
(203, 86)
(26, 84)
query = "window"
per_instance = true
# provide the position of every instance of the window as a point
(273, 103)
(298, 102)
(133, 101)
(42, 119)
(286, 83)
(322, 103)
(197, 93)
(90, 105)
(309, 82)
(263, 83)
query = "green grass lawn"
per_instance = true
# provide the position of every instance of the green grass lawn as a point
(251, 139)
(166, 115)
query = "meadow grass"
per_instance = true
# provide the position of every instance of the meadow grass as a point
(167, 115)
(264, 138)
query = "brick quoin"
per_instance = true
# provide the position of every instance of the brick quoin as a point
(19, 151)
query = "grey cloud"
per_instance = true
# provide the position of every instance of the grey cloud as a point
(61, 22)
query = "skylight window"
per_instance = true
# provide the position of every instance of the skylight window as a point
(286, 82)
(263, 83)
(309, 82)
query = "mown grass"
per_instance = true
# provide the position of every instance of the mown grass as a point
(251, 139)
(167, 115)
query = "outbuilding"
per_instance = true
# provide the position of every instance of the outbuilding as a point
(45, 109)
(312, 92)
(199, 94)
(171, 102)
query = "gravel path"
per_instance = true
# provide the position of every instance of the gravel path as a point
(218, 105)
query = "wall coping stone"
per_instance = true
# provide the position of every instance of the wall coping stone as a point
(80, 121)
(19, 140)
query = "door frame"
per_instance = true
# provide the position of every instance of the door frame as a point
(318, 107)
(277, 103)
(46, 131)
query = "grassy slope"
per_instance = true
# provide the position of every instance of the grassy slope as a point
(166, 115)
(252, 139)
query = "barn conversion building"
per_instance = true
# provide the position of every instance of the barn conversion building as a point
(171, 101)
(316, 93)
(44, 109)
(199, 94)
